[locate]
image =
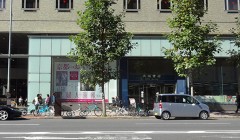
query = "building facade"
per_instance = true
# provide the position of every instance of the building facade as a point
(40, 43)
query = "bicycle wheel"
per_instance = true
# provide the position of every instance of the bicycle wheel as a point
(98, 111)
(51, 111)
(36, 113)
(84, 112)
(110, 113)
(70, 113)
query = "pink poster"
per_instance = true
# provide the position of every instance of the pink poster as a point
(73, 75)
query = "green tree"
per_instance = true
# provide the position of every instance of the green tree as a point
(191, 45)
(235, 54)
(102, 41)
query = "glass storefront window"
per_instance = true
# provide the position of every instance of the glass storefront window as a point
(33, 65)
(56, 43)
(45, 89)
(33, 87)
(45, 65)
(219, 79)
(45, 77)
(34, 46)
(65, 46)
(33, 77)
(46, 47)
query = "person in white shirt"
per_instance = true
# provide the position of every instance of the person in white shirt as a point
(36, 102)
(20, 101)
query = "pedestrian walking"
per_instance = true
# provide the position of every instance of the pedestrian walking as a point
(237, 101)
(47, 100)
(36, 102)
(40, 100)
(26, 102)
(20, 101)
(52, 99)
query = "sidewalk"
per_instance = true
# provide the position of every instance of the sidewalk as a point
(213, 115)
(225, 114)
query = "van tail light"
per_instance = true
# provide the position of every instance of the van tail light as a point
(160, 105)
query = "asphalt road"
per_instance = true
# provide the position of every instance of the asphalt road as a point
(120, 129)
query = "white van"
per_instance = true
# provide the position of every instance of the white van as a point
(179, 105)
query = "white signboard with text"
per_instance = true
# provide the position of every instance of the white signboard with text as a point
(67, 82)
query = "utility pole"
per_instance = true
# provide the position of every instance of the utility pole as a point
(8, 94)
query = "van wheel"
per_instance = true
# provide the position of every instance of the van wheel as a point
(158, 117)
(165, 115)
(203, 115)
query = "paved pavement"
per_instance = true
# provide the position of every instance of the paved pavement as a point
(226, 114)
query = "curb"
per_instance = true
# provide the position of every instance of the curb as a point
(89, 117)
(212, 116)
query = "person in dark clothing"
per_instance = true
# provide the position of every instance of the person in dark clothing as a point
(237, 101)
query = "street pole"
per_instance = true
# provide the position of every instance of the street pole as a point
(9, 55)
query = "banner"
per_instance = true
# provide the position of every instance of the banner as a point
(67, 82)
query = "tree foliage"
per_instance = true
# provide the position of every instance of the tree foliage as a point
(235, 54)
(191, 46)
(102, 41)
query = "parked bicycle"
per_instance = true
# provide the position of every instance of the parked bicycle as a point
(116, 109)
(137, 109)
(44, 110)
(92, 108)
(83, 111)
(78, 112)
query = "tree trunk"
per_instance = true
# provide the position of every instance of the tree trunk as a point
(190, 82)
(103, 102)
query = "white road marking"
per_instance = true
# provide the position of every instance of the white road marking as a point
(195, 132)
(37, 133)
(93, 132)
(123, 132)
(79, 138)
(47, 138)
(145, 132)
(20, 124)
(230, 137)
(183, 123)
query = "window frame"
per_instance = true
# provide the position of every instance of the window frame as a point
(3, 4)
(24, 5)
(233, 11)
(125, 6)
(159, 5)
(169, 10)
(58, 6)
(205, 5)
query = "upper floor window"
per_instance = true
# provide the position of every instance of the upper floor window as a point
(2, 4)
(131, 5)
(232, 5)
(64, 5)
(30, 4)
(164, 5)
(204, 4)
